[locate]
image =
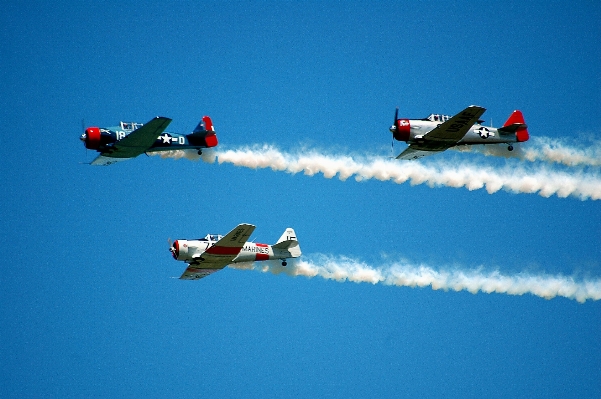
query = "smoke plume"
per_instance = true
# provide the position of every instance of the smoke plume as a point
(543, 180)
(517, 179)
(404, 274)
(545, 149)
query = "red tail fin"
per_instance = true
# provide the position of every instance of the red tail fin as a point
(208, 123)
(211, 137)
(516, 120)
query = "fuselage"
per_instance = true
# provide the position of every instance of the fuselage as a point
(101, 139)
(191, 250)
(478, 134)
(413, 130)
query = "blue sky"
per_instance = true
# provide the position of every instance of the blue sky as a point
(88, 305)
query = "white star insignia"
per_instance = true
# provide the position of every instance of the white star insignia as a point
(166, 138)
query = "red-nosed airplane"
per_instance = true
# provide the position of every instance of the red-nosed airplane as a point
(129, 139)
(437, 133)
(214, 252)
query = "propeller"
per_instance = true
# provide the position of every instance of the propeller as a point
(84, 137)
(172, 248)
(396, 117)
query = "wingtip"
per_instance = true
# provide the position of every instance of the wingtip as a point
(477, 106)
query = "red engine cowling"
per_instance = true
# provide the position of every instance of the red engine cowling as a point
(403, 130)
(175, 251)
(92, 138)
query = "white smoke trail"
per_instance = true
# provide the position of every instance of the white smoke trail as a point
(404, 274)
(587, 153)
(545, 149)
(517, 179)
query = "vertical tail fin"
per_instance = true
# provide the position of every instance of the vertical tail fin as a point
(288, 235)
(205, 127)
(517, 124)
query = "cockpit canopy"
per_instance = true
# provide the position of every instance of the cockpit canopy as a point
(438, 118)
(443, 118)
(131, 125)
(211, 238)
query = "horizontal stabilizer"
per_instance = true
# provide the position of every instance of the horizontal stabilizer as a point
(285, 244)
(511, 129)
(289, 243)
(516, 124)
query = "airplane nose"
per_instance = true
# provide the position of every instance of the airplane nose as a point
(92, 138)
(175, 250)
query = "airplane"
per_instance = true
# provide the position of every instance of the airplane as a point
(214, 252)
(437, 133)
(130, 139)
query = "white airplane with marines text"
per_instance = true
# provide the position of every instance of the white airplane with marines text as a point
(214, 252)
(438, 133)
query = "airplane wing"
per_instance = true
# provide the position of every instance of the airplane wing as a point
(445, 135)
(412, 153)
(220, 254)
(196, 273)
(135, 143)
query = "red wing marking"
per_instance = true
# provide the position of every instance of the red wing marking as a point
(262, 257)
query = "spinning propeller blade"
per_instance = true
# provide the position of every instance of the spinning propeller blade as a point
(396, 117)
(82, 137)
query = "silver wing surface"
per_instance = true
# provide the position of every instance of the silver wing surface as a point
(135, 143)
(412, 154)
(445, 135)
(220, 254)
